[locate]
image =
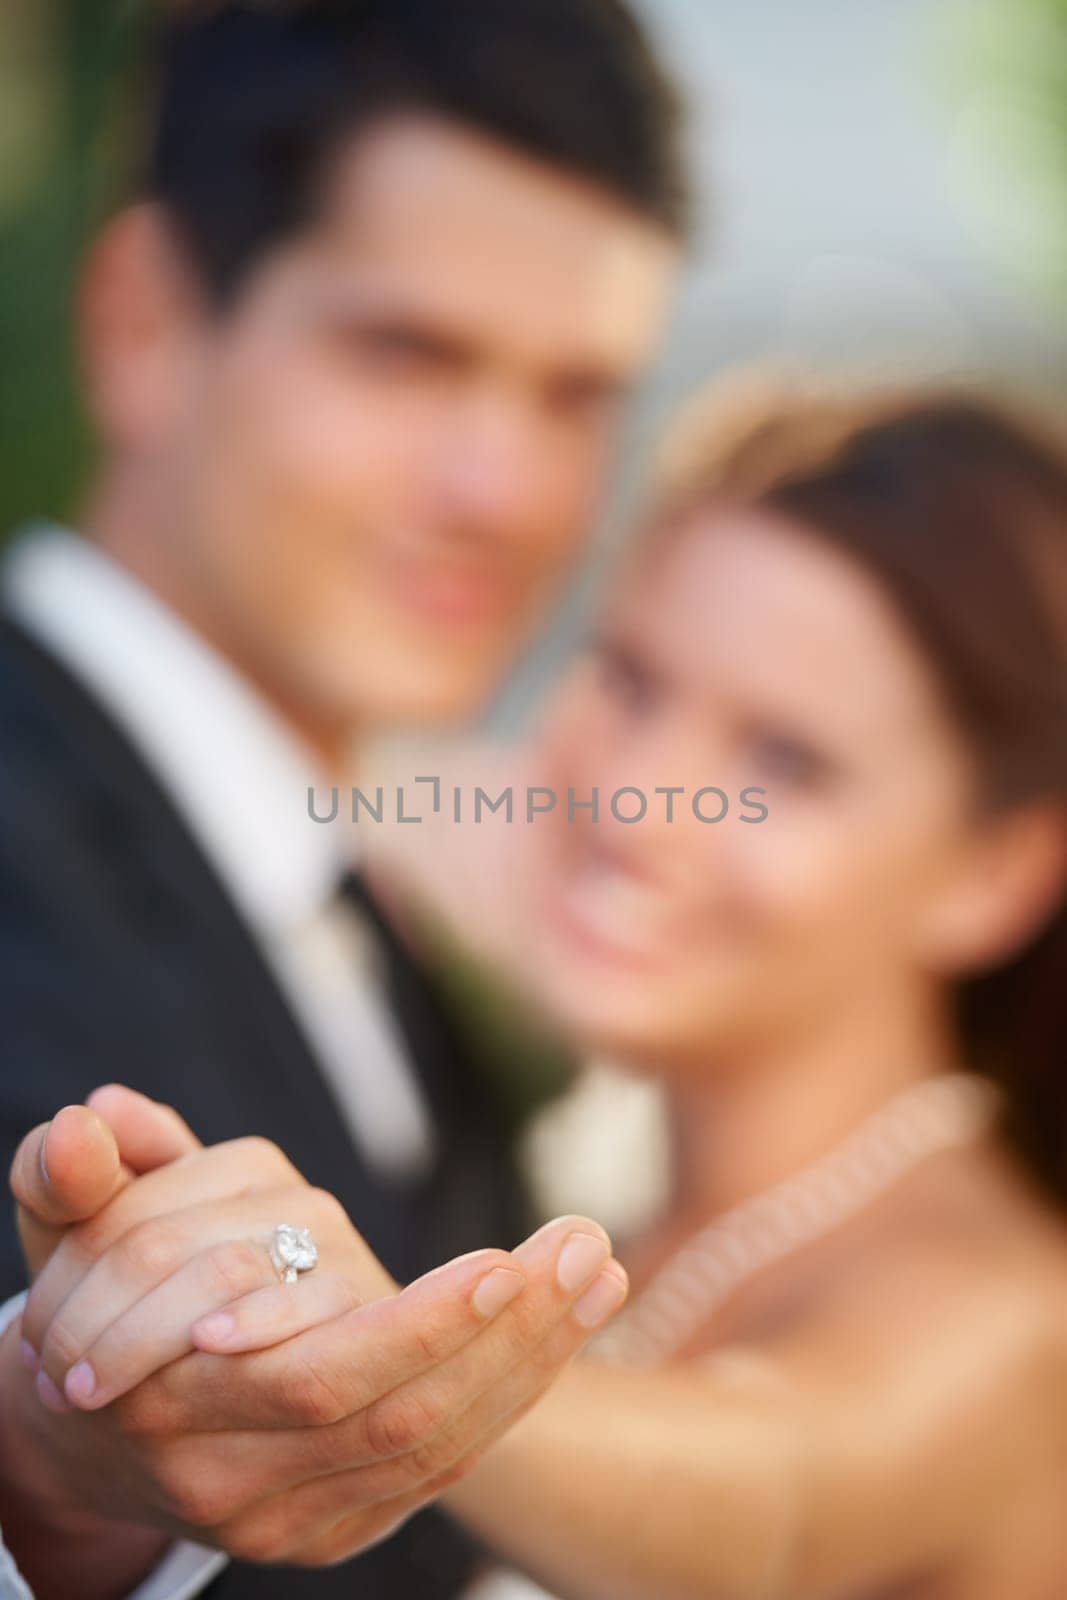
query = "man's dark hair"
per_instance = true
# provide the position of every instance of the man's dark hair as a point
(254, 97)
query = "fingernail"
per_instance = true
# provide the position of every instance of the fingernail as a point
(579, 1259)
(496, 1290)
(80, 1382)
(218, 1328)
(600, 1300)
(29, 1357)
(49, 1395)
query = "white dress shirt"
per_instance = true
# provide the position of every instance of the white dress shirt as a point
(240, 779)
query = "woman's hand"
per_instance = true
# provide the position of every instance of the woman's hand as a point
(118, 1296)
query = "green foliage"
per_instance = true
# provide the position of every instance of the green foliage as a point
(44, 444)
(522, 1060)
(1006, 78)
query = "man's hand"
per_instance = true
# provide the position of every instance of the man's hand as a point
(348, 1405)
(68, 1169)
(65, 1171)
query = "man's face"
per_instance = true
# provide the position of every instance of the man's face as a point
(383, 454)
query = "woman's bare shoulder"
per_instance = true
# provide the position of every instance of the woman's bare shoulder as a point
(966, 1277)
(926, 1375)
(983, 1228)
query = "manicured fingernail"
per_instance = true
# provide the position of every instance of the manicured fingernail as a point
(218, 1328)
(600, 1300)
(496, 1290)
(29, 1357)
(579, 1259)
(49, 1395)
(80, 1383)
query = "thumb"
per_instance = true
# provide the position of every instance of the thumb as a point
(148, 1133)
(63, 1172)
(67, 1170)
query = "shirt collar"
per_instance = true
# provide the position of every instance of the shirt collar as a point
(236, 772)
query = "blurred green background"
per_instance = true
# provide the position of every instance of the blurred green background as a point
(922, 144)
(65, 111)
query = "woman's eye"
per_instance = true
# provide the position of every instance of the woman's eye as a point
(624, 681)
(788, 760)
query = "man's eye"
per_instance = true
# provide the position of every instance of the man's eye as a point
(590, 399)
(396, 350)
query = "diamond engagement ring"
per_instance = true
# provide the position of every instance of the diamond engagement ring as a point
(292, 1251)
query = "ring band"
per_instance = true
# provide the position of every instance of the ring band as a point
(293, 1252)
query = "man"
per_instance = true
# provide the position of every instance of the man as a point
(354, 359)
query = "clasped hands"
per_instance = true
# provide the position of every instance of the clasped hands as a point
(163, 1375)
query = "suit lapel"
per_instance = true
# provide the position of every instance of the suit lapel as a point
(232, 1056)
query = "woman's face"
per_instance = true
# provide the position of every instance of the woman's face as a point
(742, 653)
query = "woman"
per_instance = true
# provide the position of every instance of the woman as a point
(842, 1369)
(857, 1382)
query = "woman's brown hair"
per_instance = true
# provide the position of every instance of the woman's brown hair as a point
(959, 507)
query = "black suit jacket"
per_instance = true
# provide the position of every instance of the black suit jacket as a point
(122, 959)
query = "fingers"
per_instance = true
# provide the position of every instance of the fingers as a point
(66, 1169)
(473, 1416)
(148, 1133)
(339, 1366)
(242, 1166)
(265, 1452)
(575, 1265)
(156, 1330)
(326, 1517)
(428, 1423)
(133, 1310)
(459, 1327)
(492, 1414)
(63, 1170)
(152, 1331)
(266, 1317)
(277, 1494)
(326, 1505)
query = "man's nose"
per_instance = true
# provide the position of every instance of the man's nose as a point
(488, 468)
